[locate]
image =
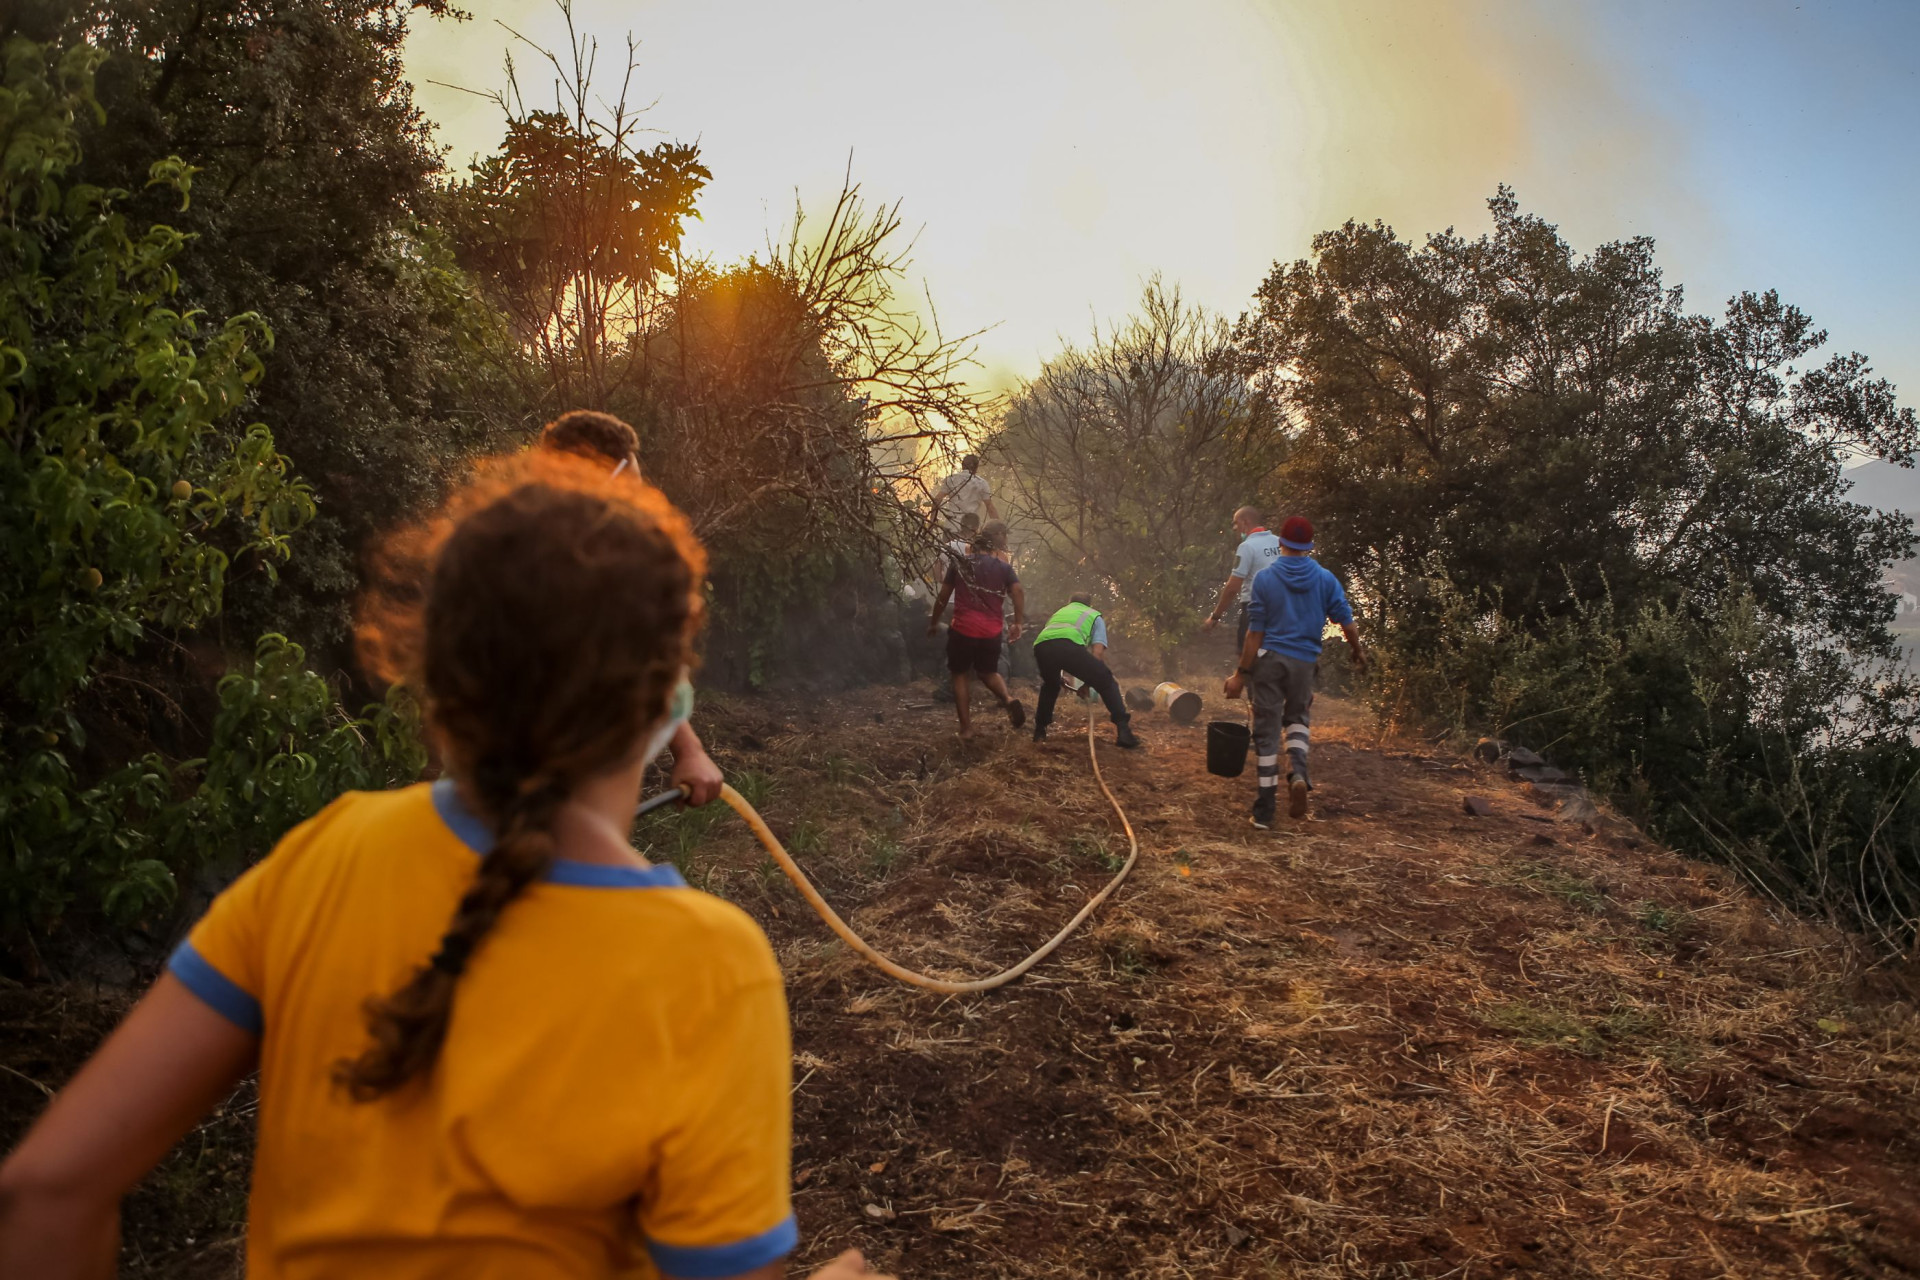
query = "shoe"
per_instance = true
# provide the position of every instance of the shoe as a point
(1263, 806)
(1039, 733)
(1296, 796)
(1017, 713)
(1123, 736)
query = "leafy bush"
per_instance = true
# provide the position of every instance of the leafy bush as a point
(281, 749)
(116, 467)
(1730, 735)
(126, 489)
(387, 371)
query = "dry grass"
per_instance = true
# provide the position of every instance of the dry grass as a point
(1392, 1040)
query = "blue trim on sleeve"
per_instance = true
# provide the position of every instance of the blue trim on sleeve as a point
(473, 832)
(1099, 635)
(711, 1262)
(217, 991)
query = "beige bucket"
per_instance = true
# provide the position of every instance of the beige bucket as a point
(1181, 705)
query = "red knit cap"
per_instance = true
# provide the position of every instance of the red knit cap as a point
(1297, 533)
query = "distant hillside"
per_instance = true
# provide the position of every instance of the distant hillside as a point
(1883, 485)
(1891, 488)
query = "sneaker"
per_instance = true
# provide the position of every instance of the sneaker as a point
(1263, 806)
(1123, 736)
(1296, 796)
(1017, 713)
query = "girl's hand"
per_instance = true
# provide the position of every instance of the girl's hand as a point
(693, 768)
(701, 777)
(847, 1265)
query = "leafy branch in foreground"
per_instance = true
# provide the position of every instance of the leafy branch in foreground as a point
(120, 458)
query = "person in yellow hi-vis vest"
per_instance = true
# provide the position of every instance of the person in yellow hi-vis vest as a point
(1075, 641)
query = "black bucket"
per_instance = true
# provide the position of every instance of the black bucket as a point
(1227, 743)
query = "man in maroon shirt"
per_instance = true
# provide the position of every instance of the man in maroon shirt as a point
(979, 585)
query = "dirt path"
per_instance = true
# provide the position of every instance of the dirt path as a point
(1392, 1040)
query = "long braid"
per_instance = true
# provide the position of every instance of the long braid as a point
(557, 613)
(408, 1027)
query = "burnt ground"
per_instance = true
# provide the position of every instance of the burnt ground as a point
(1394, 1039)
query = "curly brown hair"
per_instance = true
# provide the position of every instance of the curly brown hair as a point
(544, 616)
(591, 434)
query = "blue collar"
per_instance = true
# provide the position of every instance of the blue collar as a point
(474, 833)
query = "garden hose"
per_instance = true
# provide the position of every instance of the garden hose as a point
(785, 860)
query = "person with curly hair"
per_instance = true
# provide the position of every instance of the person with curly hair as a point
(492, 1040)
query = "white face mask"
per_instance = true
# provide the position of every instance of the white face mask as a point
(679, 711)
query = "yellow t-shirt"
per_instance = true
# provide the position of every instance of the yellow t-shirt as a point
(612, 1097)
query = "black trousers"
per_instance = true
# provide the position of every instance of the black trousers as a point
(1061, 654)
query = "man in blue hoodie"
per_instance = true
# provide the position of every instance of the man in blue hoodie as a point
(1292, 601)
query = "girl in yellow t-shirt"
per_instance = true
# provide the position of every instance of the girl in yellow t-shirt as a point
(492, 1040)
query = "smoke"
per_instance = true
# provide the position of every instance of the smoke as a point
(1418, 110)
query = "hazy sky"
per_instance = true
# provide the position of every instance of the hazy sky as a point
(1053, 153)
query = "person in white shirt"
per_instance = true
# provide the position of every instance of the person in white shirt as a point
(963, 493)
(1258, 548)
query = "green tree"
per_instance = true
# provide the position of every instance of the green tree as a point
(574, 230)
(124, 478)
(387, 369)
(788, 402)
(1546, 428)
(1129, 457)
(118, 470)
(783, 402)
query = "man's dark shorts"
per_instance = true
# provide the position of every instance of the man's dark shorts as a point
(978, 654)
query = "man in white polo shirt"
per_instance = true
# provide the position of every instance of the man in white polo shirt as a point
(1257, 550)
(964, 493)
